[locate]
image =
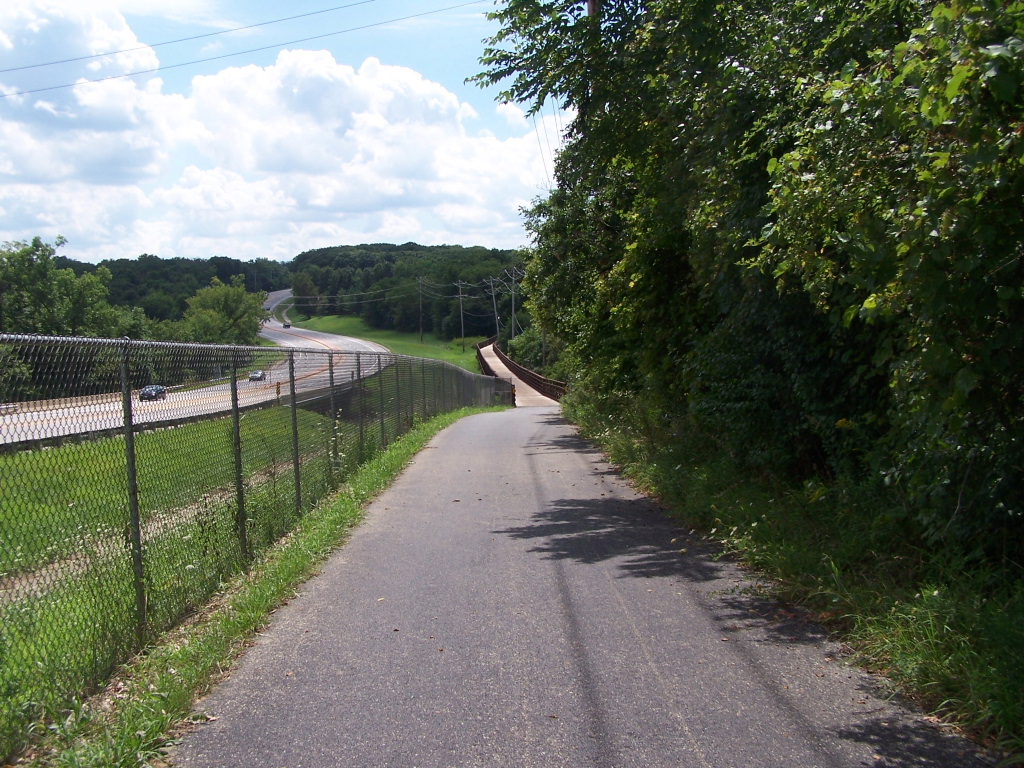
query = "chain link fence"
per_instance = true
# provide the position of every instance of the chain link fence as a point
(137, 476)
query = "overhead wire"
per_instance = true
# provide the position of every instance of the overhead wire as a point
(543, 159)
(183, 39)
(555, 109)
(236, 53)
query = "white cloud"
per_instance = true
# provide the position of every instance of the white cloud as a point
(77, 34)
(513, 114)
(253, 161)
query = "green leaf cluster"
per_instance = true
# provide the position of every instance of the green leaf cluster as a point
(38, 296)
(226, 313)
(797, 227)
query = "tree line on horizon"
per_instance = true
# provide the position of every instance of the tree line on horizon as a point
(407, 287)
(43, 293)
(449, 291)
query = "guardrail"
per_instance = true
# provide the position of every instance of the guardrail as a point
(119, 516)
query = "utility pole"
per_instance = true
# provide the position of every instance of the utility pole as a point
(494, 303)
(419, 286)
(513, 275)
(462, 317)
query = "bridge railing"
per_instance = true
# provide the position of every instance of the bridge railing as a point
(547, 387)
(485, 366)
(506, 398)
(124, 508)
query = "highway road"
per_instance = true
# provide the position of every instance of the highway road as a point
(46, 420)
(274, 330)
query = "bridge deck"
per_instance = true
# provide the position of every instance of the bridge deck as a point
(526, 395)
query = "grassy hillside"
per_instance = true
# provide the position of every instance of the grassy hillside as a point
(400, 343)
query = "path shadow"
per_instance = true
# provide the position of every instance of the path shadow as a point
(632, 532)
(641, 541)
(568, 441)
(751, 607)
(900, 741)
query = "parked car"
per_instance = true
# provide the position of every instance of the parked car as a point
(153, 392)
(287, 324)
(257, 375)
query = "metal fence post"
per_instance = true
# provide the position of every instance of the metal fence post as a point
(434, 410)
(241, 525)
(295, 433)
(380, 380)
(362, 409)
(334, 414)
(443, 389)
(423, 387)
(134, 519)
(399, 416)
(411, 407)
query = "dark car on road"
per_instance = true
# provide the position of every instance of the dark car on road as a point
(257, 375)
(152, 392)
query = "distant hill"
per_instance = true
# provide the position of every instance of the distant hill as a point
(160, 287)
(450, 290)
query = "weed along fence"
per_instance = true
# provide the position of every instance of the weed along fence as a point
(136, 476)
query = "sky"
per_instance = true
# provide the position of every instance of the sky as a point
(243, 137)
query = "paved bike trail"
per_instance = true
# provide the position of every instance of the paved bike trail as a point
(510, 601)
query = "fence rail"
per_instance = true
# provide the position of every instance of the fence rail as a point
(124, 507)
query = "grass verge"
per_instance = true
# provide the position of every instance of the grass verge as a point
(44, 520)
(132, 722)
(948, 632)
(460, 352)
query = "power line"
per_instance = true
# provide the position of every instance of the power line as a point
(183, 39)
(543, 161)
(240, 53)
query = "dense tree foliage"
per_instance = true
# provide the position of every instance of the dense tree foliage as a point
(412, 287)
(43, 293)
(37, 296)
(797, 226)
(446, 290)
(162, 287)
(225, 313)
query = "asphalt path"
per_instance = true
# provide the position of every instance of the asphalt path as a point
(510, 601)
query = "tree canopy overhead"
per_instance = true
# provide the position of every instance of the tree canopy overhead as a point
(797, 225)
